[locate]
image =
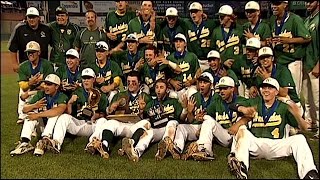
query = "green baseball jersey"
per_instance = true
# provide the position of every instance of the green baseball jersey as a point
(68, 77)
(126, 61)
(52, 101)
(201, 104)
(199, 37)
(150, 75)
(132, 104)
(118, 25)
(167, 34)
(62, 40)
(284, 77)
(26, 71)
(312, 51)
(261, 30)
(244, 70)
(141, 29)
(82, 102)
(270, 122)
(221, 112)
(217, 75)
(162, 112)
(86, 40)
(228, 44)
(292, 27)
(189, 64)
(110, 70)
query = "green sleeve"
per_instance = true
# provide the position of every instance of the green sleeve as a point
(77, 40)
(39, 95)
(115, 97)
(48, 68)
(116, 70)
(177, 110)
(291, 120)
(301, 30)
(285, 79)
(23, 73)
(103, 104)
(267, 31)
(62, 99)
(211, 109)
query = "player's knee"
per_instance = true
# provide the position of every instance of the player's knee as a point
(172, 124)
(299, 138)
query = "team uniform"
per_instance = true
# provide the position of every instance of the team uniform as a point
(77, 123)
(311, 93)
(25, 72)
(23, 33)
(62, 40)
(217, 76)
(290, 55)
(228, 44)
(117, 24)
(266, 137)
(69, 77)
(261, 30)
(163, 115)
(86, 41)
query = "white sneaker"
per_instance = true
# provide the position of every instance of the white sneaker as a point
(21, 148)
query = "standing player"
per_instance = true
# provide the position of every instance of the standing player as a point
(31, 73)
(288, 39)
(116, 23)
(30, 30)
(226, 38)
(266, 136)
(199, 32)
(311, 66)
(164, 114)
(255, 27)
(44, 108)
(87, 38)
(63, 33)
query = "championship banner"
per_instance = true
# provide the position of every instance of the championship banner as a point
(99, 6)
(71, 6)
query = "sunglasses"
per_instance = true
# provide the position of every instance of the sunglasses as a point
(250, 11)
(86, 77)
(32, 16)
(194, 11)
(31, 52)
(48, 83)
(212, 59)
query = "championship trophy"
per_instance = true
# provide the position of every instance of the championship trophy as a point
(92, 106)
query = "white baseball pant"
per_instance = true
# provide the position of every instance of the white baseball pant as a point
(186, 132)
(211, 128)
(29, 126)
(118, 128)
(246, 143)
(296, 71)
(310, 90)
(68, 123)
(155, 135)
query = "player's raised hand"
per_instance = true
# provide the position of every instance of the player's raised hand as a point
(139, 64)
(34, 79)
(177, 85)
(191, 104)
(142, 102)
(248, 34)
(229, 63)
(199, 116)
(99, 80)
(184, 101)
(248, 111)
(41, 103)
(253, 92)
(73, 99)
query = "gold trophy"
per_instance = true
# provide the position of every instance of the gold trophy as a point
(92, 106)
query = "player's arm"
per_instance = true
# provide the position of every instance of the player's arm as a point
(283, 91)
(14, 60)
(235, 127)
(294, 111)
(55, 111)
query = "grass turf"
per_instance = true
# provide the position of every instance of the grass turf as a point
(73, 162)
(4, 46)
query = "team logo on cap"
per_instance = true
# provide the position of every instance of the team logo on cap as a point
(87, 71)
(264, 50)
(30, 45)
(222, 80)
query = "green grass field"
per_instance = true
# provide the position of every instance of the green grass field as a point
(4, 46)
(73, 162)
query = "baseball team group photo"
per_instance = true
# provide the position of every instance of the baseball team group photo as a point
(160, 89)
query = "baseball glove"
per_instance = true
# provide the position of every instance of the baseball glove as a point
(94, 98)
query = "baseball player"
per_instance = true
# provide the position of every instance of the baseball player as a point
(116, 23)
(31, 73)
(245, 67)
(108, 72)
(70, 73)
(63, 33)
(164, 114)
(30, 30)
(217, 70)
(194, 107)
(87, 38)
(84, 110)
(288, 39)
(184, 81)
(255, 27)
(199, 32)
(311, 66)
(170, 27)
(128, 59)
(226, 38)
(266, 136)
(126, 102)
(44, 108)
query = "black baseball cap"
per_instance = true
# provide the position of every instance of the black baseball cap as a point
(61, 10)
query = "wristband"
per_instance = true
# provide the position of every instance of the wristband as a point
(173, 65)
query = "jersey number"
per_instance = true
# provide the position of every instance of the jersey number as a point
(236, 50)
(275, 133)
(288, 48)
(205, 43)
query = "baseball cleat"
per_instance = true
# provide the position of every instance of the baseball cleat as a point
(40, 147)
(52, 145)
(162, 150)
(202, 156)
(90, 148)
(127, 146)
(238, 168)
(21, 148)
(192, 148)
(103, 150)
(172, 148)
(20, 121)
(121, 152)
(313, 174)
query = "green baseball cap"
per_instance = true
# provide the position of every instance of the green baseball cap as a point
(61, 10)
